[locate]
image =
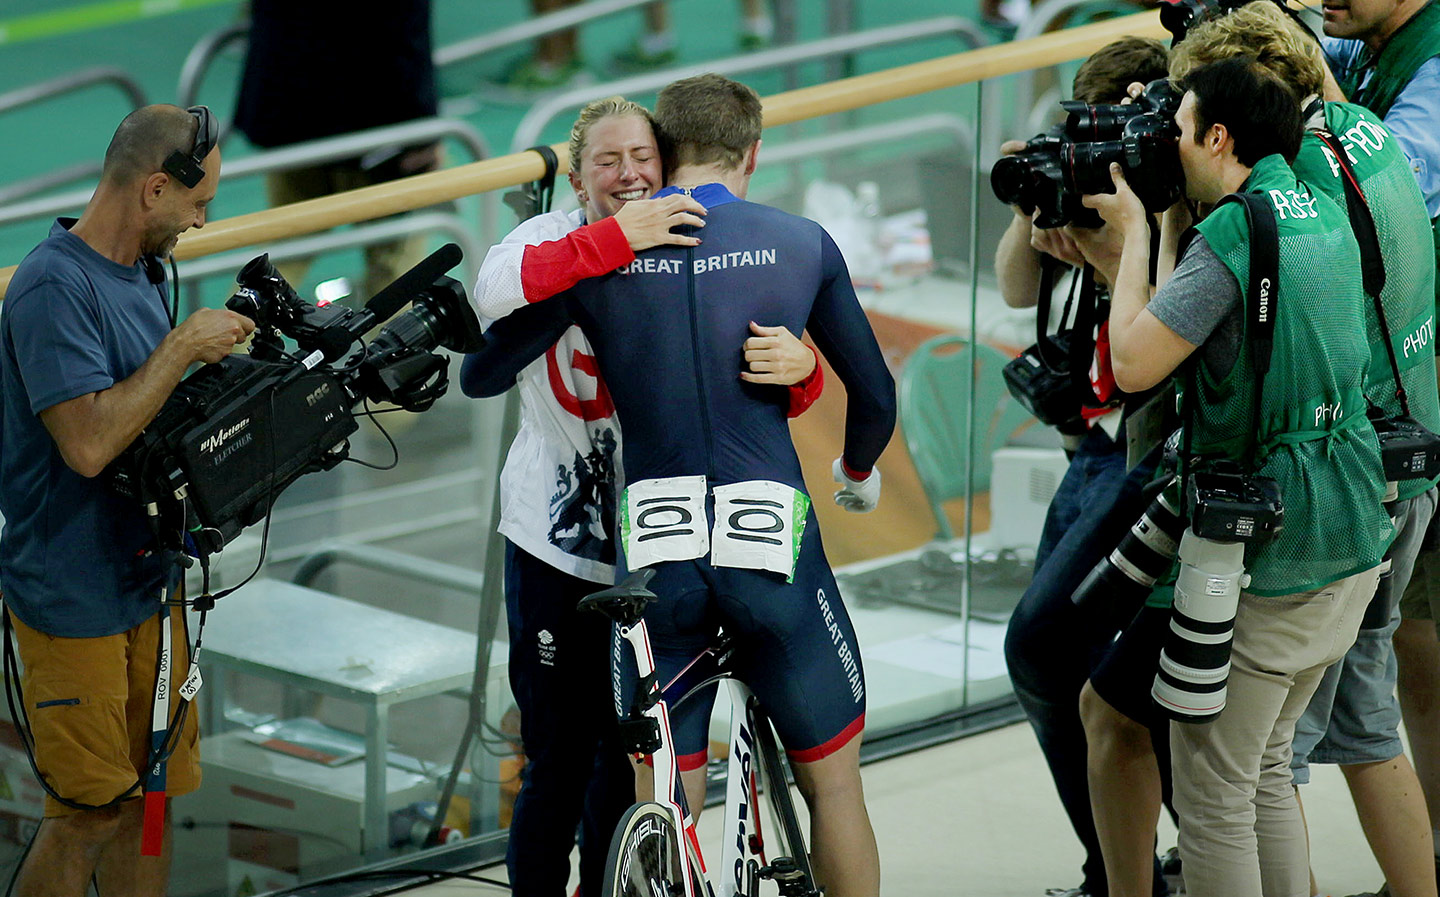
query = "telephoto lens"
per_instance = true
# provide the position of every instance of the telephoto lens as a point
(1118, 585)
(1195, 660)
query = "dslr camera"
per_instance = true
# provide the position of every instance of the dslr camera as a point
(1408, 451)
(236, 433)
(1073, 159)
(1229, 509)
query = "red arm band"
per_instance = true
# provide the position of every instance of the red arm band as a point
(595, 249)
(857, 477)
(804, 393)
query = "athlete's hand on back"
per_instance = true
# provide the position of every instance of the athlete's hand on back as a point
(856, 496)
(774, 355)
(647, 222)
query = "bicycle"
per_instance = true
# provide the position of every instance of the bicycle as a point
(655, 851)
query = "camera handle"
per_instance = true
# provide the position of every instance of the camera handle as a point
(1372, 266)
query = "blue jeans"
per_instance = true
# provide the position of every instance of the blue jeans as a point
(1051, 646)
(575, 775)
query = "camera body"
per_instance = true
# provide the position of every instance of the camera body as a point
(1044, 388)
(1072, 160)
(1408, 451)
(233, 435)
(1228, 505)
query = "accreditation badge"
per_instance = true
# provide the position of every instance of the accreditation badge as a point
(664, 520)
(758, 526)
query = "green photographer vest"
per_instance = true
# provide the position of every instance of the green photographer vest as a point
(1401, 222)
(1314, 438)
(1414, 44)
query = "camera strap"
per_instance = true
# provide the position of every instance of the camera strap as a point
(1262, 293)
(1082, 344)
(1260, 305)
(1372, 265)
(1049, 266)
(535, 197)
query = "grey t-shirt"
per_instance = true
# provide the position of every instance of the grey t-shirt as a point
(1203, 304)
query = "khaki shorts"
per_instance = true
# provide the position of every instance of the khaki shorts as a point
(90, 702)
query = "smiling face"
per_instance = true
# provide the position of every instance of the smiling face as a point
(620, 163)
(179, 208)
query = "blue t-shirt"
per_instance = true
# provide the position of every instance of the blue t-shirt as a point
(73, 322)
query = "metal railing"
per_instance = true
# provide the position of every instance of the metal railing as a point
(1014, 118)
(54, 87)
(359, 236)
(420, 191)
(315, 152)
(197, 61)
(528, 132)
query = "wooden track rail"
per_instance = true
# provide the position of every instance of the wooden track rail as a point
(449, 184)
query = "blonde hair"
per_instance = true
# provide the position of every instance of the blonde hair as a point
(1260, 29)
(594, 112)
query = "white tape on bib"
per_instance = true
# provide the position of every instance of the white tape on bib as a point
(758, 526)
(664, 520)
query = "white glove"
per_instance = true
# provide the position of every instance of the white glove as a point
(856, 496)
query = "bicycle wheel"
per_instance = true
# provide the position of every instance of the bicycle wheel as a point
(785, 824)
(644, 858)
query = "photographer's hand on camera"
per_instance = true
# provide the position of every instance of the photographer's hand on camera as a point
(1017, 258)
(92, 430)
(1143, 351)
(648, 223)
(210, 334)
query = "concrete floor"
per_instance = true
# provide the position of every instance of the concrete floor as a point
(979, 817)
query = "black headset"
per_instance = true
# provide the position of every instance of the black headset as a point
(188, 168)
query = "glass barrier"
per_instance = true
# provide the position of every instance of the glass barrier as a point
(344, 720)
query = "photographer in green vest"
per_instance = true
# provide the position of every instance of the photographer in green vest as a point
(1305, 428)
(1386, 57)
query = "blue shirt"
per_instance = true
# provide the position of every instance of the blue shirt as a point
(1412, 118)
(73, 322)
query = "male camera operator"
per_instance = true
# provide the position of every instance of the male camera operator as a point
(1050, 645)
(1306, 430)
(87, 357)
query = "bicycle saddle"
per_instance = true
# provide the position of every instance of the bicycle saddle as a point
(625, 602)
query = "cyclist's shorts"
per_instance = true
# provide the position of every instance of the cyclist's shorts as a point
(793, 645)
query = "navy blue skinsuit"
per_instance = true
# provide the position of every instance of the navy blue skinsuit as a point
(668, 332)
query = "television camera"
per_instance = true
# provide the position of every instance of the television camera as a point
(237, 433)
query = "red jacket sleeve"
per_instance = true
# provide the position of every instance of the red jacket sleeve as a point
(804, 393)
(589, 251)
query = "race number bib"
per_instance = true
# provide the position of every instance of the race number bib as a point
(758, 526)
(664, 520)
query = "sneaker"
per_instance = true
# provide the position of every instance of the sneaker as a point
(533, 74)
(1067, 892)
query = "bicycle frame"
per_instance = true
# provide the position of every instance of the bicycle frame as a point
(741, 818)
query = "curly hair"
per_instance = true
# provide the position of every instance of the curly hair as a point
(1262, 30)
